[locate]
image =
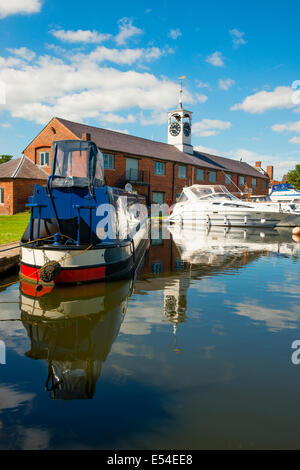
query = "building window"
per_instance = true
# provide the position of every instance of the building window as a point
(109, 161)
(181, 171)
(44, 159)
(212, 176)
(1, 196)
(157, 267)
(228, 179)
(200, 174)
(254, 183)
(159, 168)
(264, 184)
(158, 197)
(242, 180)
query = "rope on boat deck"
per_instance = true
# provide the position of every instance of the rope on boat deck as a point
(48, 264)
(33, 241)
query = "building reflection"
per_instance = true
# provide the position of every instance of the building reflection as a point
(173, 263)
(73, 329)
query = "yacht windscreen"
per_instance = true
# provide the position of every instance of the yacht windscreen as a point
(206, 192)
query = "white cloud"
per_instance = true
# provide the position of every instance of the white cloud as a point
(215, 59)
(201, 98)
(174, 33)
(209, 127)
(295, 140)
(201, 84)
(117, 119)
(275, 319)
(280, 166)
(23, 52)
(237, 37)
(210, 150)
(226, 83)
(78, 88)
(262, 101)
(289, 127)
(122, 56)
(154, 118)
(13, 7)
(126, 31)
(80, 36)
(5, 125)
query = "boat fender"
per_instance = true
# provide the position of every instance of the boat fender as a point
(49, 271)
(296, 231)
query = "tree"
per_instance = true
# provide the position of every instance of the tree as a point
(293, 177)
(5, 158)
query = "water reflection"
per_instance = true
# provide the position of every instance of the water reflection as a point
(201, 359)
(73, 330)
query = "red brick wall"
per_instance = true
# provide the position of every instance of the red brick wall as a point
(117, 176)
(43, 142)
(22, 189)
(16, 193)
(7, 207)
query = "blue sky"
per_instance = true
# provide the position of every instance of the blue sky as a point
(116, 65)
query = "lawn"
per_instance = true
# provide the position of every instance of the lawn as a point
(12, 227)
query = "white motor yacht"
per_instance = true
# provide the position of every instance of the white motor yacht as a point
(284, 193)
(214, 205)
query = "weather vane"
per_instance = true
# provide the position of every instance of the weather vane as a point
(180, 91)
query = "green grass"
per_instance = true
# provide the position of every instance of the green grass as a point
(12, 227)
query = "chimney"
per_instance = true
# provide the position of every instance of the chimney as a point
(270, 171)
(86, 136)
(258, 164)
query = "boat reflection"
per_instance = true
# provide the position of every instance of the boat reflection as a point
(73, 329)
(215, 246)
(172, 265)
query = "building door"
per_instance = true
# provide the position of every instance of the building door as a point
(132, 166)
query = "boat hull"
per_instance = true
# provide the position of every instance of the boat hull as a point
(239, 219)
(106, 262)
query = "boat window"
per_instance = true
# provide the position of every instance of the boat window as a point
(77, 163)
(211, 192)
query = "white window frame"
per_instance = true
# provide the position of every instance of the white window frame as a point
(42, 158)
(254, 182)
(159, 168)
(109, 158)
(1, 195)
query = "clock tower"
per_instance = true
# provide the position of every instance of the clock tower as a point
(180, 128)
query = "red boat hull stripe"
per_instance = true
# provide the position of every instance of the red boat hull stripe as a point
(68, 275)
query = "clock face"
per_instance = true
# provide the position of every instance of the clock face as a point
(174, 128)
(186, 129)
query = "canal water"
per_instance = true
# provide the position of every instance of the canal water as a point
(195, 353)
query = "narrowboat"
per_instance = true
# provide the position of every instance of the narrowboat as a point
(80, 229)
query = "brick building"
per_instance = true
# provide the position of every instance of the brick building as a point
(17, 180)
(157, 170)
